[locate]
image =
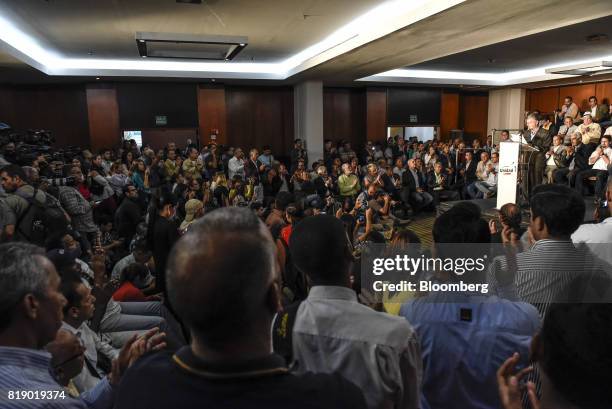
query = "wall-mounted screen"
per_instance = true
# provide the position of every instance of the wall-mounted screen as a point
(413, 106)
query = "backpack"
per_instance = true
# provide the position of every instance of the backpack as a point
(39, 221)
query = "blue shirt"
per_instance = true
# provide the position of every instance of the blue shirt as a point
(23, 370)
(464, 339)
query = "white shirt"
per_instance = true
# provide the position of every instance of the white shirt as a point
(92, 343)
(608, 131)
(378, 352)
(235, 167)
(598, 236)
(600, 164)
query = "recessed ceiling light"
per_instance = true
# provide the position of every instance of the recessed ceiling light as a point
(97, 78)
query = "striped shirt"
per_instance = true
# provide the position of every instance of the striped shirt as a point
(551, 270)
(23, 370)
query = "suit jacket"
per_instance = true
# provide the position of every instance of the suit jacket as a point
(541, 140)
(601, 114)
(409, 183)
(581, 154)
(470, 171)
(431, 181)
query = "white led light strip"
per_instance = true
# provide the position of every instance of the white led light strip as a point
(382, 20)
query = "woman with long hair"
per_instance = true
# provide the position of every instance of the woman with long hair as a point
(162, 233)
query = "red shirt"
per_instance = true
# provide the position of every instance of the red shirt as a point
(84, 191)
(128, 292)
(286, 233)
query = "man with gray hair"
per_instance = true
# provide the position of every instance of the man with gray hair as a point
(30, 317)
(539, 138)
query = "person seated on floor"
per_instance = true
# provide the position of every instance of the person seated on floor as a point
(223, 282)
(488, 187)
(481, 167)
(131, 276)
(333, 333)
(465, 336)
(414, 187)
(438, 185)
(78, 310)
(568, 353)
(31, 315)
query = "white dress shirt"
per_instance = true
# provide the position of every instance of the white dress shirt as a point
(235, 167)
(598, 236)
(600, 164)
(378, 352)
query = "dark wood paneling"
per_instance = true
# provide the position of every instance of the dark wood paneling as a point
(544, 100)
(60, 109)
(103, 114)
(449, 113)
(376, 114)
(258, 116)
(344, 115)
(474, 115)
(212, 113)
(158, 138)
(579, 93)
(603, 92)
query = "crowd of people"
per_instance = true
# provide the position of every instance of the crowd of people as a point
(135, 278)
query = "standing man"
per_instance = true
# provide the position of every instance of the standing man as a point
(599, 113)
(570, 109)
(235, 166)
(540, 139)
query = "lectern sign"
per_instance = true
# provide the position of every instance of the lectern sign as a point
(507, 178)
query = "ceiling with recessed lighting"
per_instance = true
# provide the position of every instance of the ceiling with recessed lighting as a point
(343, 42)
(553, 47)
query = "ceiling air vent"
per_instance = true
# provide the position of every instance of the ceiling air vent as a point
(187, 46)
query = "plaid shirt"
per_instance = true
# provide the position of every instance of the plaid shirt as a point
(78, 209)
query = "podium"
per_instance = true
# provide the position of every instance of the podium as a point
(513, 174)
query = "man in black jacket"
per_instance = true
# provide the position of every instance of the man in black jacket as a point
(128, 214)
(575, 159)
(439, 186)
(414, 188)
(467, 173)
(540, 139)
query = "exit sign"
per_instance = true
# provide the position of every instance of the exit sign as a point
(161, 120)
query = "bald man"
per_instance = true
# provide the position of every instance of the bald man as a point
(223, 282)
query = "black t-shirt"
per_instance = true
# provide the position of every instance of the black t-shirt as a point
(165, 234)
(182, 381)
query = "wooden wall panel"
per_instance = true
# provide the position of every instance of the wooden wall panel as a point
(60, 109)
(212, 113)
(158, 138)
(449, 113)
(580, 94)
(376, 114)
(474, 115)
(603, 92)
(544, 100)
(258, 116)
(103, 115)
(344, 115)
